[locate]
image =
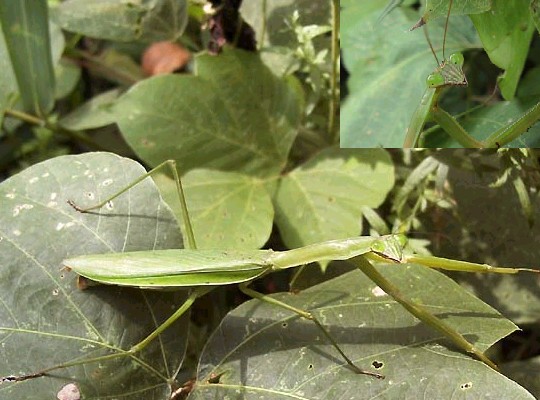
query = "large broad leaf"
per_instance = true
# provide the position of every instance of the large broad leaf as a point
(388, 67)
(263, 352)
(44, 319)
(323, 199)
(227, 210)
(234, 114)
(124, 20)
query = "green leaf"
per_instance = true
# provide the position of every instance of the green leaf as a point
(95, 113)
(67, 76)
(227, 210)
(26, 31)
(323, 198)
(152, 20)
(388, 67)
(506, 33)
(266, 352)
(233, 115)
(44, 319)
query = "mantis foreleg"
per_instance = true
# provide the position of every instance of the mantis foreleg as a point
(418, 311)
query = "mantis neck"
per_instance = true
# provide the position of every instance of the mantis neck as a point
(341, 249)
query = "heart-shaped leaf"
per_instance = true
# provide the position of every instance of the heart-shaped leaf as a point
(227, 210)
(233, 115)
(323, 198)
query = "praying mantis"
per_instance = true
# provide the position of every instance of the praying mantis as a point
(449, 72)
(204, 269)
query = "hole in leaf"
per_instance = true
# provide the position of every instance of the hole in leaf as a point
(466, 385)
(69, 392)
(377, 365)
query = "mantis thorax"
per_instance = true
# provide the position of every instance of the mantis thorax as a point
(390, 247)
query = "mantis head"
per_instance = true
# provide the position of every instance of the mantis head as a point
(449, 73)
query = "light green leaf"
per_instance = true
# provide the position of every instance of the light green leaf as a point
(233, 115)
(227, 210)
(95, 113)
(506, 33)
(323, 198)
(44, 318)
(266, 352)
(124, 21)
(388, 67)
(67, 76)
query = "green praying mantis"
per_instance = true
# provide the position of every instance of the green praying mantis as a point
(202, 270)
(449, 72)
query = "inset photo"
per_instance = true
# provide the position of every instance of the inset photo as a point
(440, 73)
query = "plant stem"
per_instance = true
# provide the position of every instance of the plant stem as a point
(333, 133)
(74, 135)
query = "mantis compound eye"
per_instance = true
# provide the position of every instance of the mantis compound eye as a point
(378, 247)
(457, 59)
(435, 80)
(402, 239)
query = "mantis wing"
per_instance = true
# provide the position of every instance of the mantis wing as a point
(173, 267)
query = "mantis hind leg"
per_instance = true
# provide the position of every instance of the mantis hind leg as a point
(307, 315)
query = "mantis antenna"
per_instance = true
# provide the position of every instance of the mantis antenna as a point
(445, 29)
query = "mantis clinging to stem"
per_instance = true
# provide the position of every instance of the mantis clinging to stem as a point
(449, 72)
(202, 270)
